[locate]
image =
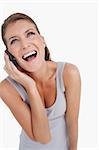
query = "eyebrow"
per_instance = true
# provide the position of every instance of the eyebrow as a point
(24, 32)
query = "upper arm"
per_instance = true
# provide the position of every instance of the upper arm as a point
(72, 83)
(17, 106)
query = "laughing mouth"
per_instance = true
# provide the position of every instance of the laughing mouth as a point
(29, 55)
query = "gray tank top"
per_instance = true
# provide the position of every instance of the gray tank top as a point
(56, 117)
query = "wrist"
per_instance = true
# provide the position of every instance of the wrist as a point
(30, 87)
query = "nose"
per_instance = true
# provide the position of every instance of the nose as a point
(25, 44)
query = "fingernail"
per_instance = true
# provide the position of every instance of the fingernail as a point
(5, 55)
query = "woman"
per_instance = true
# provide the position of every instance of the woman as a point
(43, 95)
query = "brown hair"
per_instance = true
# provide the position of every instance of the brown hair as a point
(13, 18)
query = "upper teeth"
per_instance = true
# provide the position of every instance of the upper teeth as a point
(28, 54)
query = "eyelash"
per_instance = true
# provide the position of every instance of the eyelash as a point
(28, 34)
(13, 41)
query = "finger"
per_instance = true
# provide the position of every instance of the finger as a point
(6, 56)
(7, 61)
(10, 68)
(9, 65)
(4, 67)
(16, 71)
(14, 68)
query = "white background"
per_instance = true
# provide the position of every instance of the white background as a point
(70, 31)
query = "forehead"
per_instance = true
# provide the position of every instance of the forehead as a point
(19, 27)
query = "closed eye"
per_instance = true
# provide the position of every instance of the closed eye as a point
(13, 41)
(30, 34)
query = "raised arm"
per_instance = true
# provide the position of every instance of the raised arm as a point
(19, 109)
(73, 89)
(35, 120)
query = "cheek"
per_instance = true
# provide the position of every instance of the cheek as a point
(16, 46)
(37, 40)
(39, 43)
(13, 50)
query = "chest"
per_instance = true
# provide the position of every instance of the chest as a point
(48, 93)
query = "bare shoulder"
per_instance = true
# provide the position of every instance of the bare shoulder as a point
(71, 69)
(4, 85)
(7, 90)
(71, 74)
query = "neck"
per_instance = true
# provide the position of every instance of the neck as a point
(42, 75)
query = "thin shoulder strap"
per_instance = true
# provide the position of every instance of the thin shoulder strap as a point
(60, 75)
(18, 87)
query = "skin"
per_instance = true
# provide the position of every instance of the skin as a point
(40, 75)
(25, 42)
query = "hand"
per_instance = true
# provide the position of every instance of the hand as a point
(17, 74)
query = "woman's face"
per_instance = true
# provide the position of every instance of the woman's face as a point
(25, 44)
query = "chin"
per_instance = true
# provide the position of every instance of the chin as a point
(31, 69)
(32, 66)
